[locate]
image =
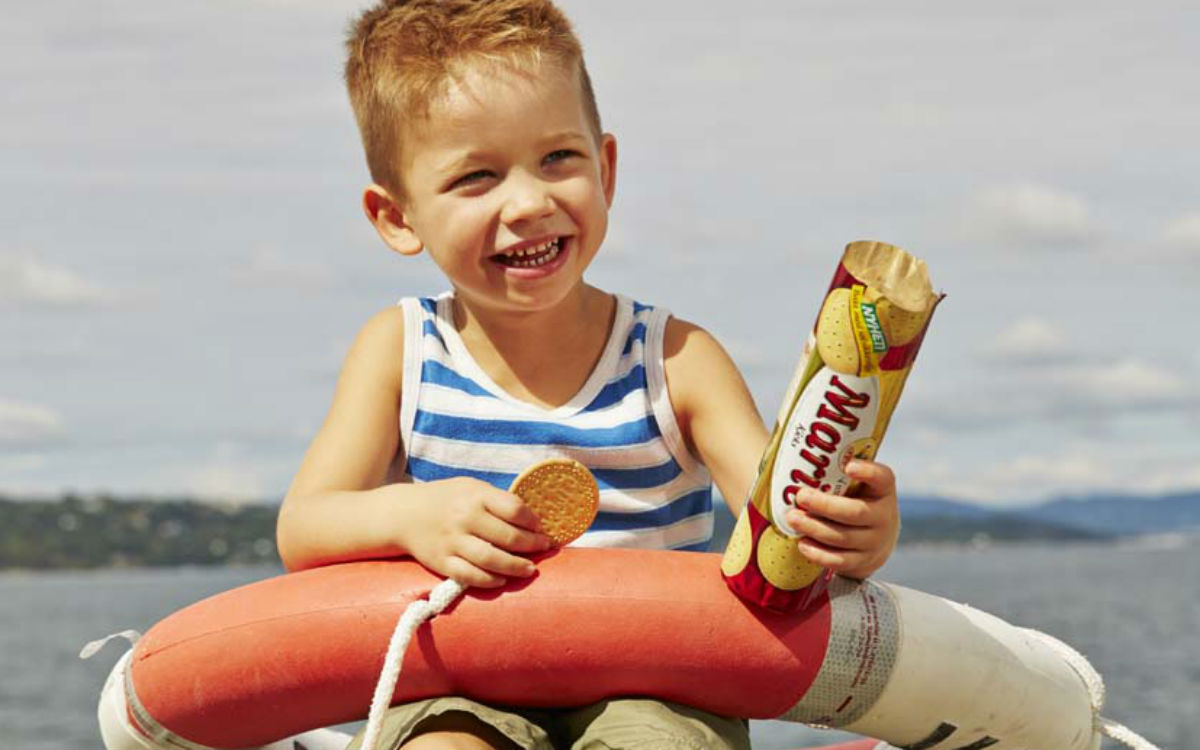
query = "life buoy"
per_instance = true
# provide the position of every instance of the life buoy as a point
(282, 656)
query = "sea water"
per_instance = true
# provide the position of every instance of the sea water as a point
(1133, 610)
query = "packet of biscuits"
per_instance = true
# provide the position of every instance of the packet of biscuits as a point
(836, 408)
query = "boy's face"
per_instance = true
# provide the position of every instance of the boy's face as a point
(506, 187)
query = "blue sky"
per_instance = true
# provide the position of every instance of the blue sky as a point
(183, 262)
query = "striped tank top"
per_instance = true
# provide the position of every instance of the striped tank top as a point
(455, 421)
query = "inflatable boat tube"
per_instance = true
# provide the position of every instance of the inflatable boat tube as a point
(290, 654)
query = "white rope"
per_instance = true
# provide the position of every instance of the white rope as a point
(442, 596)
(1095, 687)
(91, 647)
(1125, 735)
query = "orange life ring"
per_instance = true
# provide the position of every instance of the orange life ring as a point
(284, 655)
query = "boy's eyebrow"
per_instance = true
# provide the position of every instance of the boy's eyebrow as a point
(563, 135)
(459, 161)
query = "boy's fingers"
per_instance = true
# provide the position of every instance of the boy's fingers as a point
(877, 478)
(829, 533)
(513, 509)
(506, 536)
(471, 575)
(493, 560)
(828, 557)
(851, 511)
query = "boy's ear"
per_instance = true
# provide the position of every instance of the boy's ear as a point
(389, 220)
(608, 166)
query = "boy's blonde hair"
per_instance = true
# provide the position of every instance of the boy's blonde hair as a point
(402, 53)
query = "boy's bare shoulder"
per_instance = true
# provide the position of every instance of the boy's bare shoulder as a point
(387, 322)
(692, 359)
(684, 341)
(378, 349)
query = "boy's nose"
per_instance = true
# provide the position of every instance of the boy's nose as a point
(527, 199)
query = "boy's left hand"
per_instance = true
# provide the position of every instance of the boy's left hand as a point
(853, 536)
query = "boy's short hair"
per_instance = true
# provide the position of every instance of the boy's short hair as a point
(402, 53)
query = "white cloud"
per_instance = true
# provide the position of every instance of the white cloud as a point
(1070, 391)
(230, 473)
(18, 463)
(25, 280)
(1182, 234)
(1081, 468)
(1022, 478)
(27, 424)
(1032, 213)
(1057, 380)
(1027, 340)
(1076, 470)
(1132, 383)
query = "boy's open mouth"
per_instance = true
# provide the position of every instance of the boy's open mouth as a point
(531, 257)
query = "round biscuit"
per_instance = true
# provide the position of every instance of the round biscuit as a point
(781, 562)
(900, 326)
(835, 334)
(564, 496)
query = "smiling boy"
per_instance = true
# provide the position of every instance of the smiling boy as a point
(486, 152)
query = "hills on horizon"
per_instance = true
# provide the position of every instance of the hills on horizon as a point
(1089, 518)
(104, 531)
(1103, 513)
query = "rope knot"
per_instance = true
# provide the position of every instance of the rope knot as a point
(442, 596)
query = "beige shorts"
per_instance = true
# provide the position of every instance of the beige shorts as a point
(627, 723)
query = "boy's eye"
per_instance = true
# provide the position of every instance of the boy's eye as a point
(469, 179)
(559, 155)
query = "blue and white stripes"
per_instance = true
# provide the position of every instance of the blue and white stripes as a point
(456, 421)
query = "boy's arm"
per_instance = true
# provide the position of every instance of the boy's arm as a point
(714, 409)
(854, 536)
(338, 509)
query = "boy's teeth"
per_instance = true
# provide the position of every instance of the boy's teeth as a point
(534, 256)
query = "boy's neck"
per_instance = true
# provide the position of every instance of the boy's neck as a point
(544, 356)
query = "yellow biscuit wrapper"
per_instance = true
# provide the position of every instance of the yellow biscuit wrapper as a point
(837, 408)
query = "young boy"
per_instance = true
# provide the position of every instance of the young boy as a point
(486, 151)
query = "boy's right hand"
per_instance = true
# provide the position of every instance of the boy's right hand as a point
(466, 529)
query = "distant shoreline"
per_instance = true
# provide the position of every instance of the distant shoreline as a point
(1166, 542)
(108, 533)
